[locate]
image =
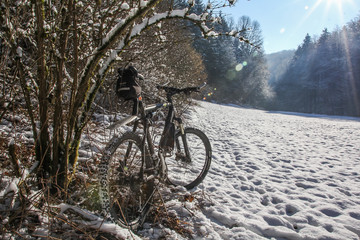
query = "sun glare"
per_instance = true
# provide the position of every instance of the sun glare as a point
(328, 7)
(330, 4)
(338, 5)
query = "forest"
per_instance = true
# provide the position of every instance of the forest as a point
(323, 76)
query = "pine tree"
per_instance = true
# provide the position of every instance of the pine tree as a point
(324, 76)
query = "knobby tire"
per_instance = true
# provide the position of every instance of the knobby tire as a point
(125, 189)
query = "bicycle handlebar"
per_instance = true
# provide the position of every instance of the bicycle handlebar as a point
(172, 90)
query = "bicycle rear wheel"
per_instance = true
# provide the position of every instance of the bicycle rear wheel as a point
(124, 189)
(190, 163)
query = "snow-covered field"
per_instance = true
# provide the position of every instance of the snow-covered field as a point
(277, 175)
(273, 176)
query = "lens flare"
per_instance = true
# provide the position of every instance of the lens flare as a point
(231, 74)
(239, 67)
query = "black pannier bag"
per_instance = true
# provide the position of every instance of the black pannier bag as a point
(127, 86)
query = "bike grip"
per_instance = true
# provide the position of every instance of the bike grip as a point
(140, 77)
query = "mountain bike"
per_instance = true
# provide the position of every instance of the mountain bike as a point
(133, 164)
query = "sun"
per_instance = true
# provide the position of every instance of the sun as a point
(338, 5)
(335, 3)
(338, 2)
(329, 6)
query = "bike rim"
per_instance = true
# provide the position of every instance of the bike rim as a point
(183, 170)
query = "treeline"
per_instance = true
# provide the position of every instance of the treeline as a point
(236, 70)
(324, 74)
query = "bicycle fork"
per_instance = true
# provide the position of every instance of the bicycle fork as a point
(187, 156)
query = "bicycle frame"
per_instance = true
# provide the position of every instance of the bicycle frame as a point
(143, 115)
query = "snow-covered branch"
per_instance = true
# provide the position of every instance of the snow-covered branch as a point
(200, 20)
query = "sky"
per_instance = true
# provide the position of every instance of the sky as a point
(285, 23)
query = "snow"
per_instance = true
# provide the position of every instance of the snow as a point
(143, 3)
(157, 17)
(194, 17)
(98, 223)
(19, 51)
(274, 175)
(179, 12)
(204, 16)
(12, 187)
(279, 175)
(125, 6)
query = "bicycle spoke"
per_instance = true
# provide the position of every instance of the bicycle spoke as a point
(189, 170)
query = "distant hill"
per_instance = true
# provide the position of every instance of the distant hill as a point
(277, 63)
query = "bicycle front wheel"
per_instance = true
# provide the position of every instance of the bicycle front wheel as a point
(191, 160)
(125, 191)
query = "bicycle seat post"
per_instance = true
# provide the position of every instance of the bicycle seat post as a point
(137, 104)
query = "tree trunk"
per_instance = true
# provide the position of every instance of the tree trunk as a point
(44, 147)
(59, 158)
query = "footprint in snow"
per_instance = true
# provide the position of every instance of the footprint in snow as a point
(355, 215)
(276, 221)
(330, 212)
(254, 167)
(347, 193)
(291, 209)
(304, 185)
(276, 200)
(257, 182)
(329, 228)
(260, 190)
